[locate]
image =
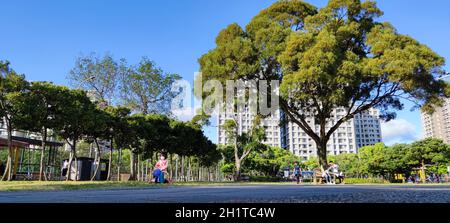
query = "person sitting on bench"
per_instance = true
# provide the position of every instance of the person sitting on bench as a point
(326, 175)
(160, 169)
(334, 169)
(341, 177)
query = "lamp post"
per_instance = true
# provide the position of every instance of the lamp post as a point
(446, 74)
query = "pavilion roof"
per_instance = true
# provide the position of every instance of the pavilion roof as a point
(15, 143)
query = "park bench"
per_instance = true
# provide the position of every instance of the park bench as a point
(317, 177)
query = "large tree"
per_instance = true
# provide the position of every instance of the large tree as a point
(244, 143)
(99, 75)
(336, 56)
(11, 85)
(76, 111)
(98, 129)
(117, 124)
(38, 110)
(147, 89)
(428, 152)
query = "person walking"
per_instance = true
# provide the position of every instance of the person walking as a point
(286, 173)
(297, 172)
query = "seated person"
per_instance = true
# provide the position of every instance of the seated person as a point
(341, 177)
(334, 171)
(326, 176)
(160, 169)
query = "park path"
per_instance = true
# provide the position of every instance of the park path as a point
(239, 193)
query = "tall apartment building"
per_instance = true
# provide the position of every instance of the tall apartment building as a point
(437, 125)
(245, 121)
(363, 130)
(367, 128)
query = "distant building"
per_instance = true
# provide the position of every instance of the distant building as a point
(363, 130)
(245, 119)
(367, 128)
(437, 125)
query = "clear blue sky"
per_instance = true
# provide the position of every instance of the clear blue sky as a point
(43, 38)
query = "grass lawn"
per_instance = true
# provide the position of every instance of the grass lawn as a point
(72, 185)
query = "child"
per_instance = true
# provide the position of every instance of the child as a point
(297, 172)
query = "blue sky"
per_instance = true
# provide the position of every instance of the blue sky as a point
(43, 38)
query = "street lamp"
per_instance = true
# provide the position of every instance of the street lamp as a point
(446, 74)
(90, 78)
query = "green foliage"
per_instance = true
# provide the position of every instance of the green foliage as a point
(349, 163)
(146, 88)
(267, 162)
(382, 161)
(77, 115)
(365, 181)
(40, 108)
(100, 75)
(312, 163)
(244, 143)
(12, 84)
(270, 161)
(428, 151)
(375, 159)
(337, 56)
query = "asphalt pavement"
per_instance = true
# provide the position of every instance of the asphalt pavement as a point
(242, 194)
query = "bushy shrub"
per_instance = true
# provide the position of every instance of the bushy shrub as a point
(365, 181)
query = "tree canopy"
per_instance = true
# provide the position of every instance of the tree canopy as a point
(147, 88)
(100, 75)
(336, 56)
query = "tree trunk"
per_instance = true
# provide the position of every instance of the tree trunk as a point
(146, 170)
(322, 154)
(138, 167)
(237, 176)
(176, 168)
(6, 174)
(423, 172)
(119, 163)
(189, 173)
(217, 177)
(72, 156)
(41, 165)
(209, 174)
(91, 148)
(132, 166)
(182, 169)
(69, 165)
(237, 162)
(10, 154)
(8, 170)
(76, 160)
(76, 168)
(171, 166)
(98, 161)
(108, 178)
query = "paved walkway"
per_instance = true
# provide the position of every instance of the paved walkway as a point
(247, 193)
